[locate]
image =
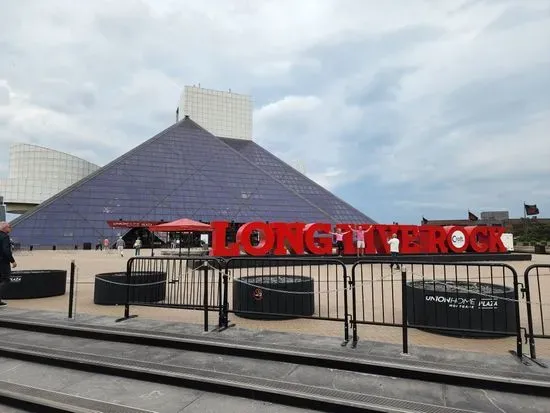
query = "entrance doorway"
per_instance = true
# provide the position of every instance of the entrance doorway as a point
(146, 236)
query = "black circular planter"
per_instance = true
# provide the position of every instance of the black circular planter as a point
(36, 284)
(108, 293)
(451, 305)
(252, 301)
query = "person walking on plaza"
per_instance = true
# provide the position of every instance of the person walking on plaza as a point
(394, 249)
(7, 262)
(106, 244)
(120, 246)
(339, 237)
(360, 238)
(137, 247)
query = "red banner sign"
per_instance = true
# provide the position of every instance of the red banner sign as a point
(132, 224)
(280, 238)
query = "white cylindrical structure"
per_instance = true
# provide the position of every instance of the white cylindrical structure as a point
(36, 174)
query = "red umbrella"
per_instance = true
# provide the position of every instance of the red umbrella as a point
(181, 225)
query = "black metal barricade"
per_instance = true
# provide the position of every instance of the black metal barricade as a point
(72, 279)
(275, 288)
(172, 282)
(460, 299)
(537, 290)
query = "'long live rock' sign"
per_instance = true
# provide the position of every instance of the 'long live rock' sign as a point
(280, 238)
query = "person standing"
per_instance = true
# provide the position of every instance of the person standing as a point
(394, 249)
(7, 262)
(120, 246)
(360, 238)
(339, 237)
(137, 247)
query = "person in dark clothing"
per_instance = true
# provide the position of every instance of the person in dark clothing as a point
(6, 258)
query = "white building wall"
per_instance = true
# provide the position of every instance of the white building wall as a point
(36, 173)
(224, 114)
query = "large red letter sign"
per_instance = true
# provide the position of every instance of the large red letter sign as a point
(479, 238)
(410, 239)
(281, 238)
(495, 239)
(267, 238)
(457, 239)
(320, 245)
(288, 237)
(219, 248)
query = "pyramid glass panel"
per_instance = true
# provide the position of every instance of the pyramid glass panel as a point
(297, 182)
(183, 172)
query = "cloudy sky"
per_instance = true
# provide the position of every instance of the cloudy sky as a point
(403, 108)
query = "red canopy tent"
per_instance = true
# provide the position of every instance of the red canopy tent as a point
(182, 225)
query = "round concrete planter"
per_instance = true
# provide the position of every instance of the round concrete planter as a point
(253, 297)
(476, 309)
(36, 284)
(111, 289)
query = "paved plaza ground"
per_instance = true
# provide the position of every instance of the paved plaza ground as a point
(90, 263)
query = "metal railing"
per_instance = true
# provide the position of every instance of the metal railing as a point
(537, 289)
(456, 299)
(173, 282)
(72, 284)
(461, 299)
(286, 287)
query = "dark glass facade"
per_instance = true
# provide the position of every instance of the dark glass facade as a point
(183, 172)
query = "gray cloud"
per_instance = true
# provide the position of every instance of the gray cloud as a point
(504, 101)
(383, 86)
(61, 96)
(4, 96)
(517, 16)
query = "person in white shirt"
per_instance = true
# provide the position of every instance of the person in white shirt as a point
(394, 248)
(120, 246)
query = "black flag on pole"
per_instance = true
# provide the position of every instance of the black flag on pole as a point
(531, 209)
(472, 216)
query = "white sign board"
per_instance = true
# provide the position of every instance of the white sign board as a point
(508, 241)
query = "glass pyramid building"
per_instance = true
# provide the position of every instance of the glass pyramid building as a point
(183, 172)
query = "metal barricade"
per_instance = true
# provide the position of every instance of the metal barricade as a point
(537, 290)
(462, 299)
(173, 282)
(270, 288)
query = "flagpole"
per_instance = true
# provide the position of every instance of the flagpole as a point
(524, 220)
